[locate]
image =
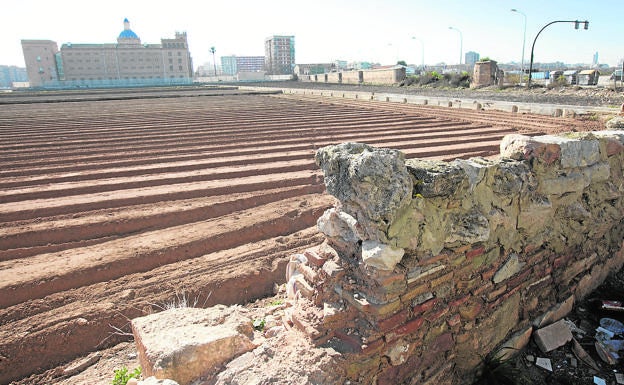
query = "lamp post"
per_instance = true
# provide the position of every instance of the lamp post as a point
(461, 44)
(523, 43)
(577, 23)
(422, 52)
(214, 62)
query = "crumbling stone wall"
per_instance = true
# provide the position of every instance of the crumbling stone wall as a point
(429, 266)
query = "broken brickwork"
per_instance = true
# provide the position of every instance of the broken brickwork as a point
(429, 266)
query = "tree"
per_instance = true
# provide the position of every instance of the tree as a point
(402, 63)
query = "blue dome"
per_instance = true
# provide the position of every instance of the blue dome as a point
(128, 34)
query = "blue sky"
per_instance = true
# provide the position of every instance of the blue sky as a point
(366, 30)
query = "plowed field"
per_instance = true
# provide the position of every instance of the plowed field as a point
(111, 208)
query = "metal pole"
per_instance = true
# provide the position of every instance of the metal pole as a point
(523, 43)
(422, 52)
(461, 44)
(540, 31)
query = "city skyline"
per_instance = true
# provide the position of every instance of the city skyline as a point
(328, 31)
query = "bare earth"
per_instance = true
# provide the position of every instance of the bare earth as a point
(113, 206)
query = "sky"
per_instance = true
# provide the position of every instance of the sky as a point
(383, 32)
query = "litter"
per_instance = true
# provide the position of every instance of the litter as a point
(612, 325)
(599, 381)
(612, 305)
(543, 363)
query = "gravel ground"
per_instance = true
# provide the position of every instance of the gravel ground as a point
(578, 96)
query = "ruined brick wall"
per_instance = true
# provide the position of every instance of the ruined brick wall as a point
(429, 266)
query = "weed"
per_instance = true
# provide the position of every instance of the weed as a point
(276, 302)
(122, 376)
(258, 324)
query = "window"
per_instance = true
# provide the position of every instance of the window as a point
(180, 68)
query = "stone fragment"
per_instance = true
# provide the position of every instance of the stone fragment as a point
(398, 353)
(435, 178)
(615, 123)
(544, 363)
(338, 224)
(509, 269)
(552, 336)
(373, 185)
(380, 256)
(468, 228)
(575, 152)
(522, 147)
(555, 313)
(514, 345)
(187, 343)
(81, 365)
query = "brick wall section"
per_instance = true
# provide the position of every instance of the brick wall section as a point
(491, 248)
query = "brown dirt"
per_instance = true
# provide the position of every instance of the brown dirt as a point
(110, 208)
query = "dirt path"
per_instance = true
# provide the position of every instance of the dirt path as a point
(110, 209)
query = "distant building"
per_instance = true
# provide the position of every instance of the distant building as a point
(314, 69)
(41, 61)
(125, 63)
(595, 61)
(12, 74)
(471, 58)
(234, 64)
(279, 55)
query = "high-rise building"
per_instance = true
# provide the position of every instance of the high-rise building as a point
(234, 64)
(471, 58)
(12, 74)
(279, 55)
(127, 62)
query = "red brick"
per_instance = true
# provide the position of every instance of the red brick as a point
(460, 301)
(488, 274)
(496, 293)
(483, 288)
(441, 280)
(538, 257)
(454, 320)
(561, 261)
(432, 260)
(314, 258)
(520, 279)
(475, 252)
(410, 327)
(437, 315)
(471, 310)
(392, 322)
(353, 341)
(425, 306)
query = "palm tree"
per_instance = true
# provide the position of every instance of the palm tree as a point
(214, 62)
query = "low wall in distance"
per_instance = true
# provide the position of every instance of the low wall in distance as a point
(429, 265)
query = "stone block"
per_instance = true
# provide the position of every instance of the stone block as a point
(552, 336)
(573, 182)
(555, 313)
(509, 269)
(574, 152)
(514, 345)
(381, 256)
(184, 344)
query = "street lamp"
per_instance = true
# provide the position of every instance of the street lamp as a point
(576, 26)
(422, 51)
(461, 44)
(523, 43)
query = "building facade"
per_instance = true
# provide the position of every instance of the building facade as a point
(279, 55)
(234, 64)
(471, 58)
(12, 74)
(125, 63)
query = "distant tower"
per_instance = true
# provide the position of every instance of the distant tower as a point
(595, 62)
